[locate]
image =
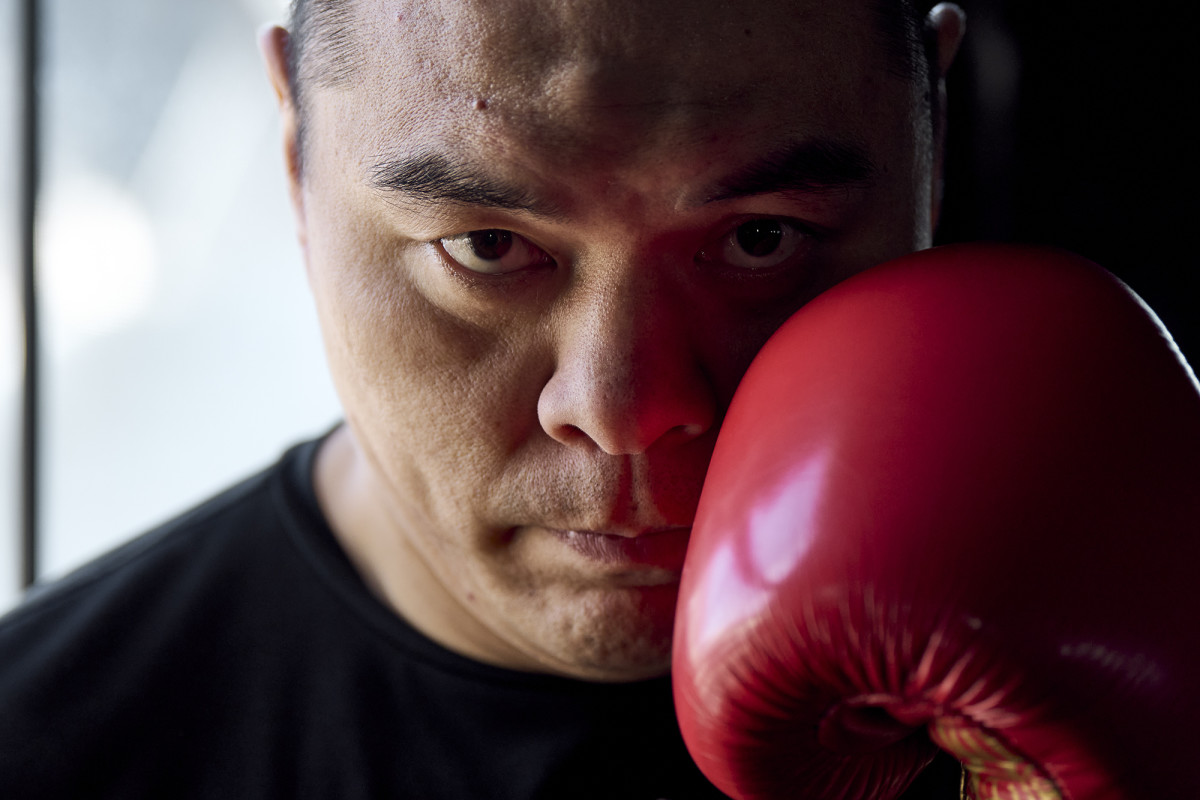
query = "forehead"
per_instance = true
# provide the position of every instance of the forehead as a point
(611, 80)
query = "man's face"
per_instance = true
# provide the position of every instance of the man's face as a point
(545, 240)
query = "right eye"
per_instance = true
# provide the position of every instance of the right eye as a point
(758, 244)
(493, 251)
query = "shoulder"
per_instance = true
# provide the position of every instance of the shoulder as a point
(91, 658)
(147, 564)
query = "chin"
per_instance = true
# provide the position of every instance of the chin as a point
(624, 667)
(622, 643)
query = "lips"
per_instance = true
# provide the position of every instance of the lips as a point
(661, 548)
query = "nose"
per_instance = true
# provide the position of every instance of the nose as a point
(626, 375)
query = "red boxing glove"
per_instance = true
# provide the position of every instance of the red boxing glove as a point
(955, 502)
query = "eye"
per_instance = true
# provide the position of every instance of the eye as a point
(757, 244)
(493, 251)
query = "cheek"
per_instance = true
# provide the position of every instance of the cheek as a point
(424, 389)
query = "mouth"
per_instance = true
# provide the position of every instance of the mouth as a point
(657, 548)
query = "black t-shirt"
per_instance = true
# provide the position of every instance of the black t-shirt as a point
(236, 653)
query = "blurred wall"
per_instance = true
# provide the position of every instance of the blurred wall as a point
(180, 347)
(10, 307)
(1070, 125)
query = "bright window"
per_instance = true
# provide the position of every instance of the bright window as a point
(180, 345)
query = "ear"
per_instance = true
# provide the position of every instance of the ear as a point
(944, 26)
(273, 44)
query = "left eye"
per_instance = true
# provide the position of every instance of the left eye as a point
(493, 251)
(757, 244)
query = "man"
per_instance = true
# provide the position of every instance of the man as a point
(545, 240)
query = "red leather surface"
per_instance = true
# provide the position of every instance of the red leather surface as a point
(957, 495)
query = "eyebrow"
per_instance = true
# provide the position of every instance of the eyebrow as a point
(807, 167)
(435, 178)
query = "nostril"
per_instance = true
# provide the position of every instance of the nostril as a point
(625, 435)
(571, 434)
(625, 411)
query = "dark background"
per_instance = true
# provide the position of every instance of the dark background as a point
(1070, 125)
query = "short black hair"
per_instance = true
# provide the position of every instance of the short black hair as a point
(323, 47)
(325, 50)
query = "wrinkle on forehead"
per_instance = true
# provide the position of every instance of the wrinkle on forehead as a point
(553, 88)
(595, 58)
